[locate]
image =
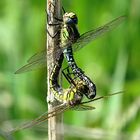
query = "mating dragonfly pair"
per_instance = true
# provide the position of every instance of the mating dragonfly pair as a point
(80, 84)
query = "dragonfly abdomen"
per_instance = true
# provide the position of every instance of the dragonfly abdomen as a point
(78, 72)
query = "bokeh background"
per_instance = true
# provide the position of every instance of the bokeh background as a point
(112, 62)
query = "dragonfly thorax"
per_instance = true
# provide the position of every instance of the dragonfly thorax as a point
(69, 31)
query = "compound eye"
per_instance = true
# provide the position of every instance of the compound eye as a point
(74, 17)
(75, 20)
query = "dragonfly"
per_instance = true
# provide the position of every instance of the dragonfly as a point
(69, 34)
(38, 60)
(72, 41)
(58, 110)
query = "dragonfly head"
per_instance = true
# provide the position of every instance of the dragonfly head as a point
(89, 92)
(70, 18)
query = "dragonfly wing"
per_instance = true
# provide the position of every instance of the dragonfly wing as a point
(82, 107)
(43, 55)
(32, 65)
(37, 56)
(31, 123)
(93, 34)
(59, 109)
(39, 60)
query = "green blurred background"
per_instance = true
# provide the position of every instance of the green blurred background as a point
(112, 62)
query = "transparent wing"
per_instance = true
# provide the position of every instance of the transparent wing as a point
(30, 124)
(32, 65)
(82, 107)
(59, 109)
(37, 56)
(38, 60)
(44, 117)
(93, 34)
(102, 97)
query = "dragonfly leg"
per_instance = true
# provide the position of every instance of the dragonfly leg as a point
(68, 76)
(59, 22)
(72, 81)
(63, 10)
(65, 75)
(52, 36)
(58, 19)
(68, 70)
(70, 73)
(54, 24)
